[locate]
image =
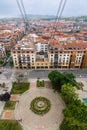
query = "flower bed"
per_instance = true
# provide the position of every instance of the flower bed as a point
(40, 105)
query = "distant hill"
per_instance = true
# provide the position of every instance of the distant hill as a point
(43, 17)
(77, 18)
(49, 17)
(40, 16)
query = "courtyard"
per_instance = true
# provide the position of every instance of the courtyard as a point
(32, 121)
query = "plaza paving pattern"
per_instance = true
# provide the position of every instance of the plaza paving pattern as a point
(8, 114)
(32, 121)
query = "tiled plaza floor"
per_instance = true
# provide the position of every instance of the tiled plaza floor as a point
(32, 121)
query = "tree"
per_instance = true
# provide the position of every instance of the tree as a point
(71, 123)
(20, 78)
(75, 116)
(68, 93)
(78, 110)
(57, 79)
(70, 78)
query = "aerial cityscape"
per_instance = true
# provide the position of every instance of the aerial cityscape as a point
(43, 65)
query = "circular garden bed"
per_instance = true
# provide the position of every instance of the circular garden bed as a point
(40, 105)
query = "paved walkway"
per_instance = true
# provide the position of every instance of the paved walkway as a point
(32, 121)
(82, 93)
(33, 85)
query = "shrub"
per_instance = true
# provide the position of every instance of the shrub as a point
(40, 83)
(40, 109)
(9, 125)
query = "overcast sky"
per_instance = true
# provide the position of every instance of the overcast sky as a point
(44, 7)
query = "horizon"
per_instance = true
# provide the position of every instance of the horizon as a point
(42, 15)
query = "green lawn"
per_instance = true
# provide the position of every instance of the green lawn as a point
(9, 125)
(10, 105)
(19, 88)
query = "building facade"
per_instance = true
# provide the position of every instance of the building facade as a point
(51, 54)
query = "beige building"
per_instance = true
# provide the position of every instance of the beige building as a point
(24, 55)
(70, 54)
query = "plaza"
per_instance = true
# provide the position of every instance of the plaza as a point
(30, 120)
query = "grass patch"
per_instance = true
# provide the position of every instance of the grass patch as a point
(19, 88)
(9, 125)
(40, 83)
(10, 105)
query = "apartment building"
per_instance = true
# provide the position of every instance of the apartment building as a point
(24, 55)
(70, 54)
(50, 54)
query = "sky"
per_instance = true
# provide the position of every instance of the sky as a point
(9, 8)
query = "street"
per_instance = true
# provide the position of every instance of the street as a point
(44, 73)
(33, 74)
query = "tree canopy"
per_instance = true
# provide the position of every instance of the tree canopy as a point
(68, 93)
(75, 114)
(20, 78)
(58, 79)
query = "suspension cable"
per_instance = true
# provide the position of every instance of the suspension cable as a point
(59, 12)
(59, 7)
(24, 9)
(21, 10)
(62, 10)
